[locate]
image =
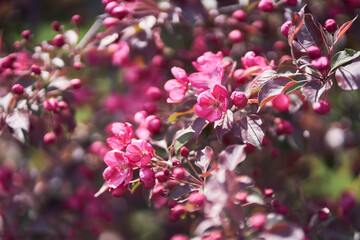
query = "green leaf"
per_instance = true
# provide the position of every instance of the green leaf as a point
(343, 57)
(183, 138)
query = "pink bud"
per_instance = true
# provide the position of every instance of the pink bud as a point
(179, 173)
(240, 15)
(321, 63)
(236, 36)
(17, 89)
(35, 69)
(239, 78)
(249, 148)
(56, 26)
(59, 40)
(347, 202)
(197, 199)
(110, 21)
(176, 212)
(110, 6)
(161, 176)
(158, 61)
(184, 152)
(179, 237)
(275, 203)
(241, 196)
(75, 83)
(281, 210)
(120, 12)
(266, 5)
(153, 123)
(51, 104)
(269, 192)
(281, 102)
(176, 162)
(150, 107)
(291, 2)
(314, 52)
(49, 138)
(119, 191)
(258, 220)
(331, 26)
(139, 117)
(323, 214)
(321, 107)
(285, 28)
(62, 105)
(147, 177)
(239, 99)
(77, 65)
(26, 34)
(154, 93)
(76, 19)
(284, 127)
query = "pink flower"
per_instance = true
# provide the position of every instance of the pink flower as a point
(205, 80)
(121, 55)
(211, 105)
(119, 170)
(208, 62)
(147, 176)
(250, 60)
(139, 152)
(123, 134)
(177, 87)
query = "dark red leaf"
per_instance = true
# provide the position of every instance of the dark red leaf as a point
(343, 29)
(314, 89)
(204, 157)
(250, 130)
(255, 84)
(224, 125)
(348, 77)
(272, 88)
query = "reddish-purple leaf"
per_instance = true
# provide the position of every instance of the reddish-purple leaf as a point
(343, 29)
(198, 126)
(224, 125)
(297, 22)
(348, 77)
(204, 157)
(250, 130)
(179, 191)
(272, 88)
(314, 89)
(232, 156)
(255, 84)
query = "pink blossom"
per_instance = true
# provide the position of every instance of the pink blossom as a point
(139, 152)
(119, 170)
(121, 55)
(147, 176)
(250, 59)
(123, 134)
(211, 104)
(177, 87)
(208, 62)
(205, 80)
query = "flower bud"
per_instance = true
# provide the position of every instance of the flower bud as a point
(258, 220)
(239, 99)
(49, 138)
(110, 6)
(197, 199)
(285, 28)
(281, 102)
(241, 196)
(120, 12)
(238, 76)
(147, 177)
(284, 127)
(236, 36)
(59, 40)
(56, 26)
(110, 21)
(281, 209)
(51, 104)
(266, 5)
(176, 162)
(240, 15)
(161, 176)
(17, 89)
(77, 65)
(321, 63)
(331, 26)
(35, 69)
(268, 193)
(321, 107)
(184, 152)
(150, 107)
(75, 83)
(323, 214)
(179, 173)
(179, 237)
(26, 34)
(153, 123)
(314, 52)
(76, 19)
(119, 191)
(154, 93)
(176, 212)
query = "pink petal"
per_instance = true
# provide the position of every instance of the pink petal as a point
(115, 143)
(115, 158)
